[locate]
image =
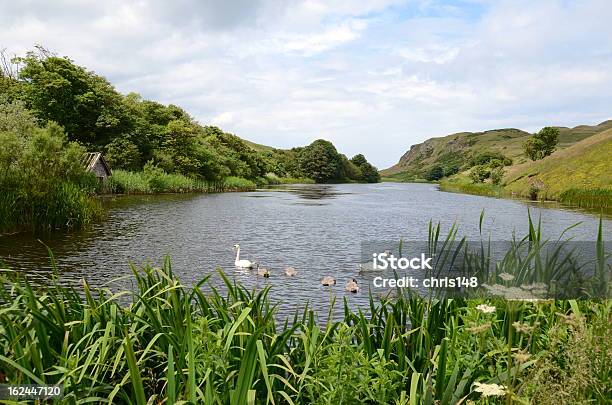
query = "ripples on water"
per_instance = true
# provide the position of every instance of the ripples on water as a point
(317, 229)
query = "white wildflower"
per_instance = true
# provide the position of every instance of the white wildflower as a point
(485, 309)
(506, 276)
(490, 390)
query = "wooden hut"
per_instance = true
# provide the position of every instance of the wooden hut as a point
(95, 163)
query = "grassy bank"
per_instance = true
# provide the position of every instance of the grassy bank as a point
(463, 185)
(576, 197)
(176, 343)
(587, 198)
(272, 179)
(125, 182)
(64, 206)
(147, 182)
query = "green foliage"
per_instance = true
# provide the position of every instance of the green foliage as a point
(435, 173)
(587, 198)
(490, 158)
(469, 187)
(154, 180)
(321, 162)
(123, 154)
(541, 144)
(451, 162)
(132, 131)
(43, 183)
(497, 174)
(233, 183)
(85, 104)
(479, 173)
(367, 172)
(351, 170)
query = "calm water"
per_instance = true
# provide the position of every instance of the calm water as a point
(315, 228)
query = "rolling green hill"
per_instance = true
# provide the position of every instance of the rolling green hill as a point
(455, 152)
(586, 165)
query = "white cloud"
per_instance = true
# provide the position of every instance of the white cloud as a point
(436, 53)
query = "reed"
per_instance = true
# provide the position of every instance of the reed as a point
(273, 179)
(485, 189)
(232, 183)
(587, 198)
(64, 206)
(125, 182)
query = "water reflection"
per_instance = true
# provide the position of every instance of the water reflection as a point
(312, 191)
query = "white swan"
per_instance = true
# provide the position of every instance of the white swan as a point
(290, 271)
(244, 264)
(352, 286)
(328, 281)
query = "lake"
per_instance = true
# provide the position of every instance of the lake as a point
(318, 229)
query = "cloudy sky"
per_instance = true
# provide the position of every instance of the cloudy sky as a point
(372, 76)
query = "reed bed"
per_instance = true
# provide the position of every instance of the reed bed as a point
(178, 344)
(125, 182)
(65, 206)
(484, 189)
(587, 198)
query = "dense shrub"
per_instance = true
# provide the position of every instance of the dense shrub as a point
(43, 183)
(435, 173)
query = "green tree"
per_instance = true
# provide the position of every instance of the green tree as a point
(497, 174)
(350, 170)
(479, 173)
(123, 154)
(359, 160)
(541, 144)
(369, 173)
(321, 162)
(435, 173)
(85, 104)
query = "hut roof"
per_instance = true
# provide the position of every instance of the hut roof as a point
(90, 160)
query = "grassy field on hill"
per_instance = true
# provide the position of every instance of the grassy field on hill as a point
(584, 168)
(577, 173)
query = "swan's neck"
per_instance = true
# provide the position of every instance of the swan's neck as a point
(238, 254)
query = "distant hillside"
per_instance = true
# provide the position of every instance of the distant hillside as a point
(454, 152)
(585, 165)
(258, 147)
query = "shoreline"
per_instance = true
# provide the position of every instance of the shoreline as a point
(488, 190)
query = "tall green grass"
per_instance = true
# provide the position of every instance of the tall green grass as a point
(485, 189)
(273, 179)
(587, 198)
(174, 343)
(125, 182)
(64, 206)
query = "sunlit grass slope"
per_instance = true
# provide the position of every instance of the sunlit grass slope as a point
(585, 165)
